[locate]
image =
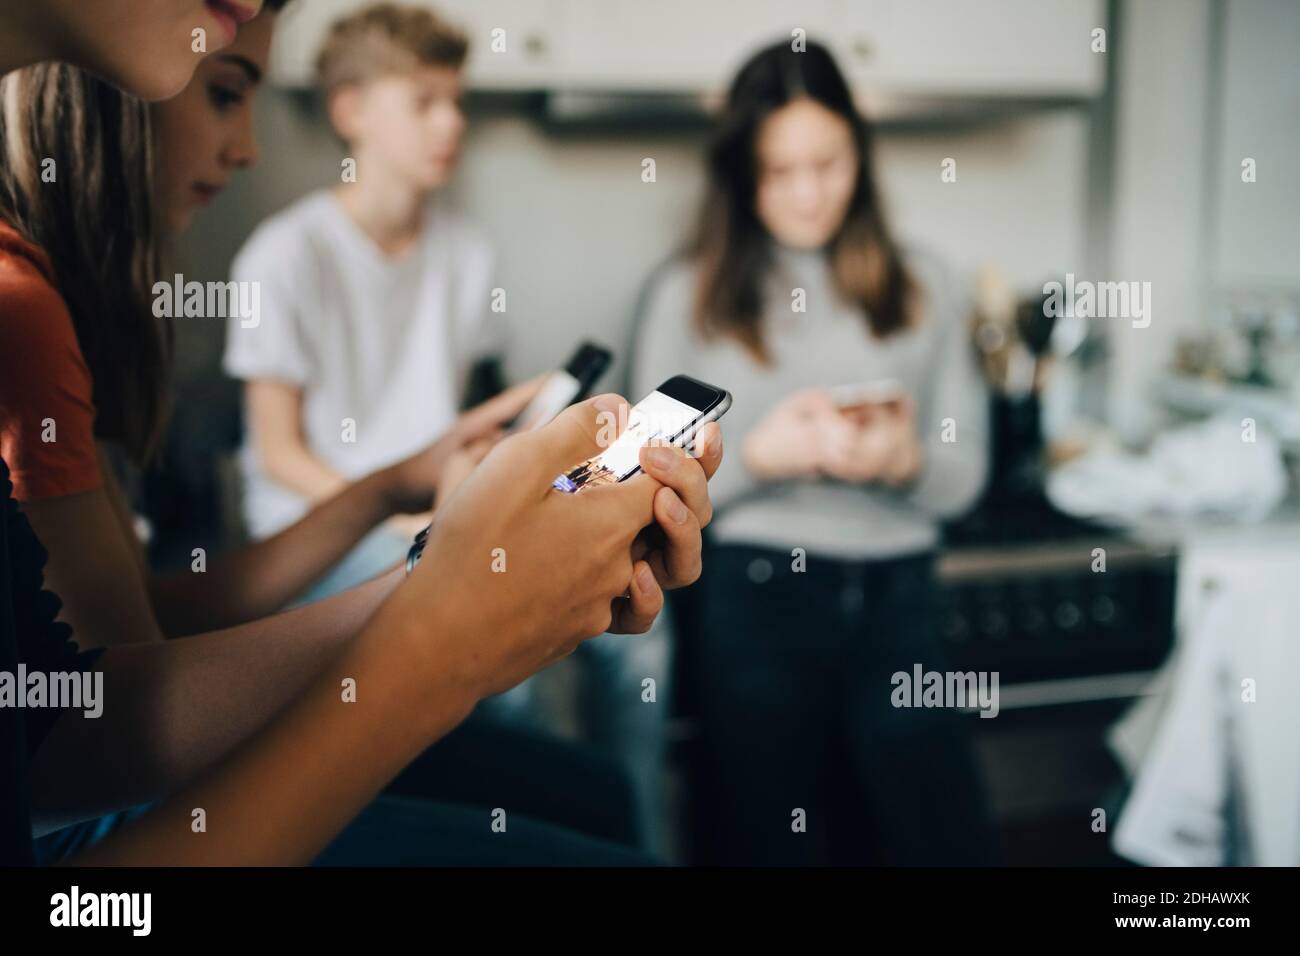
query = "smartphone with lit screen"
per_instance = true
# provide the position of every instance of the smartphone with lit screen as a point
(563, 387)
(670, 415)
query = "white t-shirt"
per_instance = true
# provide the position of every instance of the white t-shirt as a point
(381, 347)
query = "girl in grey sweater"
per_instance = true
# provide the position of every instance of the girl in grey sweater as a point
(818, 584)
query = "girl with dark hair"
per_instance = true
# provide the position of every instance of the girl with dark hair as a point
(862, 419)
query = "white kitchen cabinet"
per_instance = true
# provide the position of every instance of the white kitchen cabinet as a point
(677, 46)
(299, 31)
(525, 60)
(527, 51)
(909, 47)
(972, 47)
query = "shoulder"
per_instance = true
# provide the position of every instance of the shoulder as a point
(668, 293)
(665, 309)
(943, 297)
(285, 240)
(34, 320)
(928, 270)
(675, 277)
(44, 381)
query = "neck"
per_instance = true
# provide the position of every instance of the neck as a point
(389, 212)
(22, 41)
(799, 255)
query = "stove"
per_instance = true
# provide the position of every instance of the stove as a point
(1040, 596)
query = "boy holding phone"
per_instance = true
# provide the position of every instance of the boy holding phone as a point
(374, 297)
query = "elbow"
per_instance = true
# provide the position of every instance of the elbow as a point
(950, 489)
(961, 501)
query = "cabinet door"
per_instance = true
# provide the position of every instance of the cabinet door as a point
(521, 58)
(514, 45)
(973, 47)
(673, 45)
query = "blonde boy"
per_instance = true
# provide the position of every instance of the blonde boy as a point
(374, 296)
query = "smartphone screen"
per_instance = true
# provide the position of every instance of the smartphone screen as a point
(885, 391)
(669, 415)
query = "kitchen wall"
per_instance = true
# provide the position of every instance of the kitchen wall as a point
(1197, 85)
(577, 231)
(1160, 204)
(1255, 227)
(1202, 85)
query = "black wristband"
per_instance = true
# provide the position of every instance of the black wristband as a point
(417, 549)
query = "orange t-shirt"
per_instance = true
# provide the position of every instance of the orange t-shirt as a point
(47, 413)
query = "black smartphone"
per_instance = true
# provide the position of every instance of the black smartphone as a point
(564, 386)
(670, 415)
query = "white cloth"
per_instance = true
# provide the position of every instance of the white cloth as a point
(1220, 783)
(384, 343)
(1201, 469)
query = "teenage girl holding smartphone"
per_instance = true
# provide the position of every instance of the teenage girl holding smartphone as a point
(818, 584)
(245, 720)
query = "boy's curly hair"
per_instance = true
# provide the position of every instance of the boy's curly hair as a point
(386, 38)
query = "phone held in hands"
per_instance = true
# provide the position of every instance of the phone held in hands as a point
(563, 387)
(885, 391)
(670, 415)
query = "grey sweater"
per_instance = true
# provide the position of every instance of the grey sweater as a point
(829, 344)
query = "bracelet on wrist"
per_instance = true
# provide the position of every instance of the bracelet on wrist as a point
(416, 551)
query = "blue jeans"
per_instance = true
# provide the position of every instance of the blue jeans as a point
(790, 680)
(407, 831)
(53, 848)
(618, 720)
(584, 798)
(373, 555)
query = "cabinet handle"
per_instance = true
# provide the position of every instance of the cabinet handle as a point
(535, 44)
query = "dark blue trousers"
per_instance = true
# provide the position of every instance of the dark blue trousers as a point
(802, 757)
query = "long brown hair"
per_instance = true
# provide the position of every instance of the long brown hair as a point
(731, 247)
(95, 221)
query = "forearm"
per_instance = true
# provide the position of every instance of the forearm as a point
(293, 465)
(280, 798)
(261, 578)
(171, 711)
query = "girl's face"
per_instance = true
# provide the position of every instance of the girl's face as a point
(807, 171)
(146, 47)
(205, 134)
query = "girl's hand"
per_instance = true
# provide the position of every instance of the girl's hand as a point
(879, 444)
(516, 574)
(459, 464)
(791, 440)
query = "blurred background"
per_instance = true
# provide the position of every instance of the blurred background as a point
(1121, 690)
